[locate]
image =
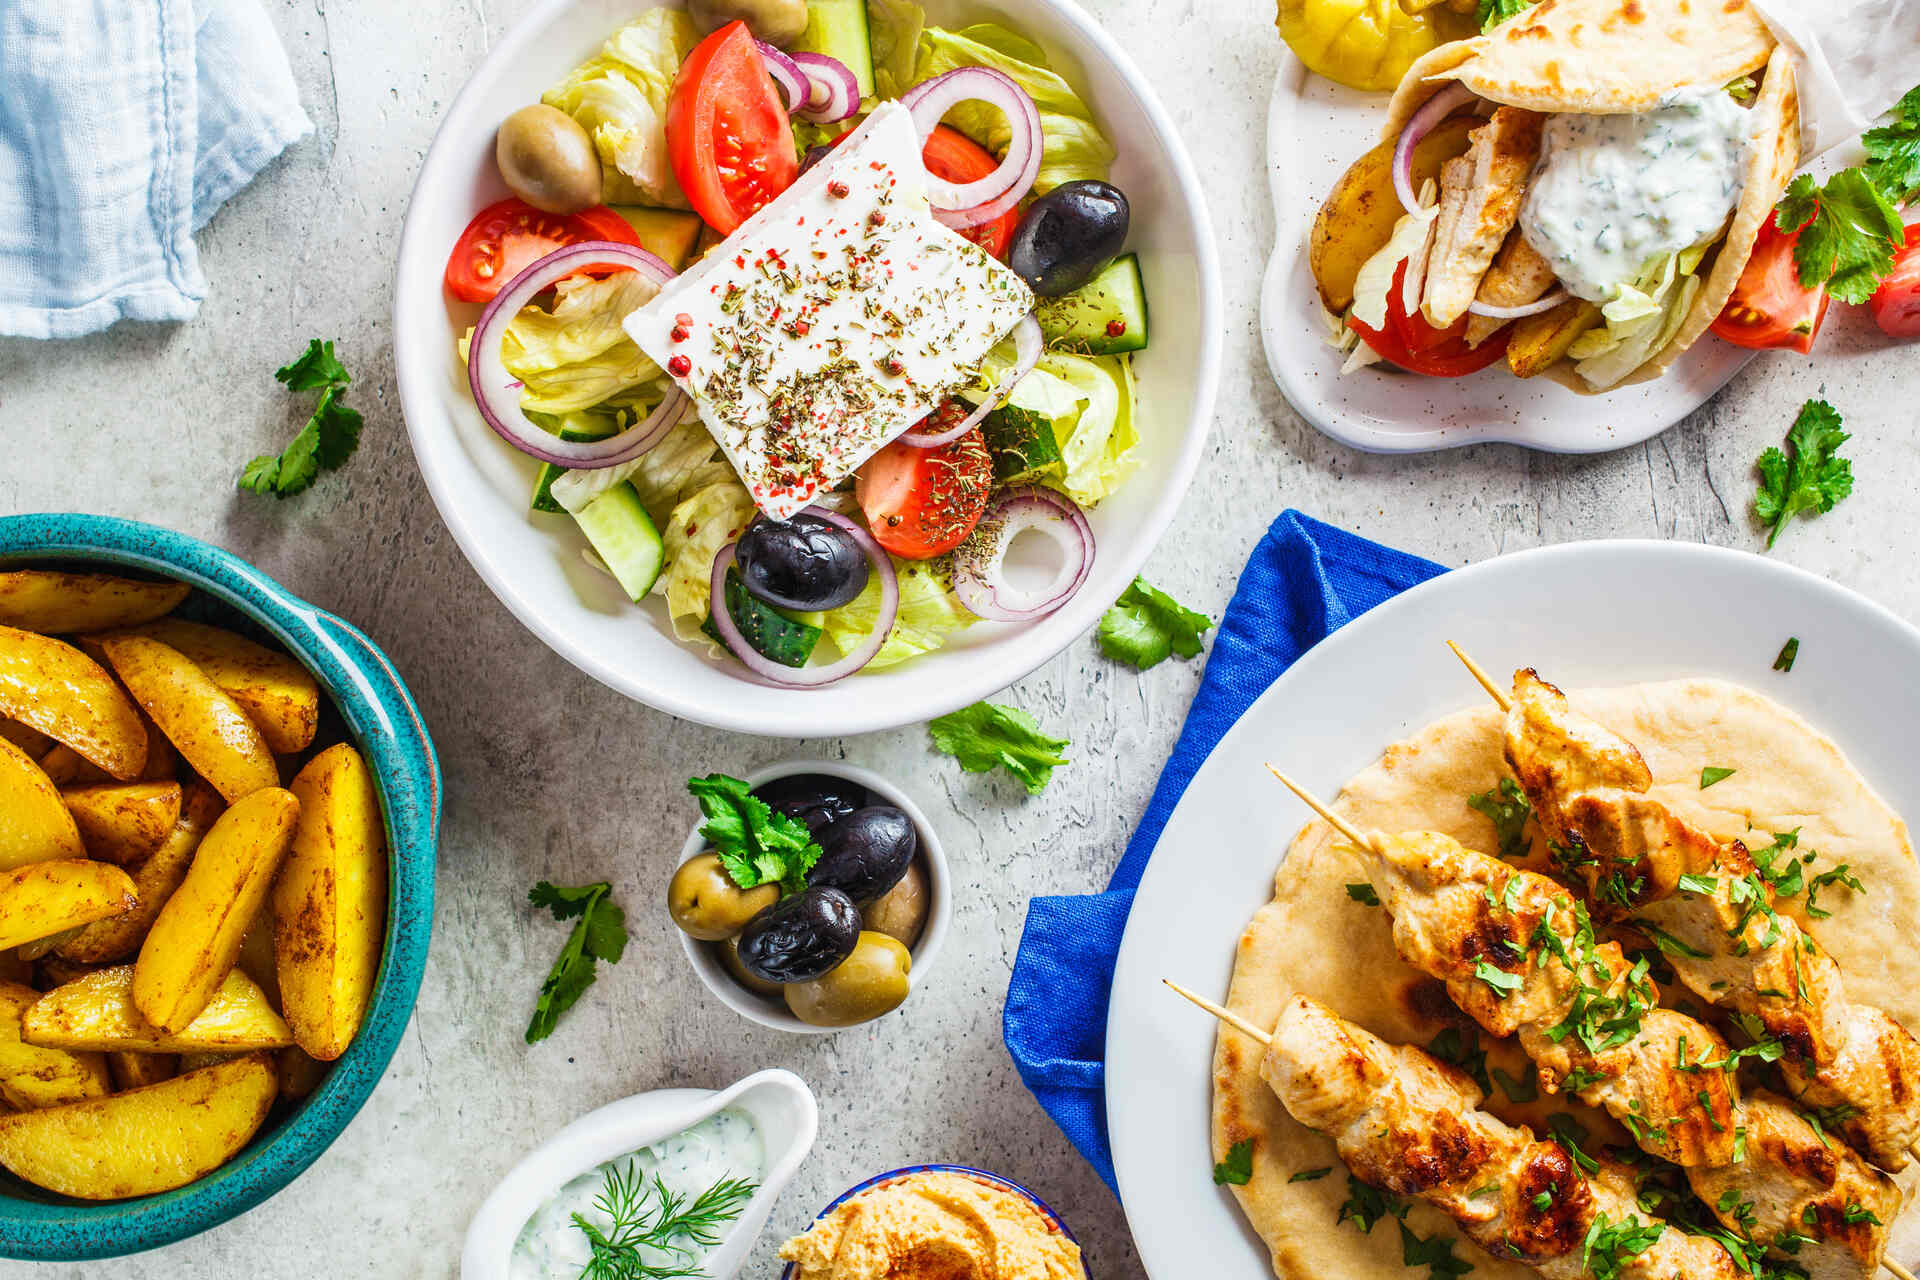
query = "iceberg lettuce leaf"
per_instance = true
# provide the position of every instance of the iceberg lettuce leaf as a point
(695, 531)
(930, 613)
(1072, 145)
(620, 99)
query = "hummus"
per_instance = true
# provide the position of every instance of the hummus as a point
(935, 1226)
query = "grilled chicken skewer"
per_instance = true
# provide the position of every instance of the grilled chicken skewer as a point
(1588, 789)
(1519, 956)
(1405, 1121)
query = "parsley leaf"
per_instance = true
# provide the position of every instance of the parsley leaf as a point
(1237, 1168)
(1311, 1175)
(1713, 773)
(987, 734)
(1464, 1052)
(1365, 1205)
(1146, 625)
(1432, 1252)
(599, 933)
(1893, 151)
(1525, 1089)
(1848, 233)
(1502, 982)
(1507, 808)
(1363, 894)
(755, 845)
(1788, 653)
(1491, 13)
(1808, 477)
(328, 439)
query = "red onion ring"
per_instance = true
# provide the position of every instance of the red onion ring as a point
(1431, 112)
(809, 677)
(496, 391)
(968, 204)
(978, 563)
(1492, 312)
(786, 73)
(1027, 341)
(833, 91)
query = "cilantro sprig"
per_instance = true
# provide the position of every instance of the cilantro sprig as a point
(987, 734)
(1893, 151)
(1506, 807)
(1237, 1169)
(1146, 625)
(755, 844)
(329, 438)
(1809, 476)
(1848, 230)
(599, 933)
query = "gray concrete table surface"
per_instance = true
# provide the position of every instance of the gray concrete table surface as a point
(549, 775)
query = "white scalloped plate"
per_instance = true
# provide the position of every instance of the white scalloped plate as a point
(1315, 129)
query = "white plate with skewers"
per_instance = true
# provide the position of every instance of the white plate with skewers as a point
(1315, 129)
(1680, 648)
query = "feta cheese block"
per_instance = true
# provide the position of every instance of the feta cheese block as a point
(833, 320)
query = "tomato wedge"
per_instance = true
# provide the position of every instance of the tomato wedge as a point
(952, 155)
(1896, 303)
(505, 239)
(1770, 308)
(727, 131)
(922, 503)
(1416, 346)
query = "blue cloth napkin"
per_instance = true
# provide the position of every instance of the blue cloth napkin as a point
(1303, 582)
(124, 124)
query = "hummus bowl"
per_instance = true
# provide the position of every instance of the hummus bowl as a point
(1045, 1211)
(480, 484)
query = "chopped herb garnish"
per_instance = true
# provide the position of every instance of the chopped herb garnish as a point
(1462, 1050)
(1712, 774)
(1503, 983)
(1525, 1089)
(1841, 875)
(1365, 1205)
(1570, 1133)
(1609, 1246)
(1435, 1253)
(1311, 1175)
(1507, 808)
(1668, 944)
(1543, 1201)
(1788, 652)
(1363, 894)
(1237, 1168)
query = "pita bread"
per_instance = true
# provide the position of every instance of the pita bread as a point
(1601, 57)
(1314, 939)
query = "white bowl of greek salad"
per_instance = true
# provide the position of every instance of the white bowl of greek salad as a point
(807, 366)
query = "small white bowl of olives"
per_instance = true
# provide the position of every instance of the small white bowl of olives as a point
(853, 945)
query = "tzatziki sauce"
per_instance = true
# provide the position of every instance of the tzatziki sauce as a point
(1614, 192)
(725, 1145)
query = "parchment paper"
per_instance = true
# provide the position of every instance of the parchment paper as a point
(1855, 59)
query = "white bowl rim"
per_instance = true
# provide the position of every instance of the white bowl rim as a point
(622, 1126)
(751, 715)
(925, 952)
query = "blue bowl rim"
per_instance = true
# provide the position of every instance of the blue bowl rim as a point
(386, 724)
(999, 1180)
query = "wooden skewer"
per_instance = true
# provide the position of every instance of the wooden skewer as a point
(1333, 819)
(1899, 1271)
(1494, 691)
(1239, 1023)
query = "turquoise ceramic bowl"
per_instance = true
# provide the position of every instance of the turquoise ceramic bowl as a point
(381, 719)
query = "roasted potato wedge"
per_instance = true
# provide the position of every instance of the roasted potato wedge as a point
(154, 881)
(54, 688)
(14, 969)
(146, 1141)
(124, 822)
(300, 1072)
(256, 949)
(43, 899)
(196, 938)
(97, 1012)
(129, 1070)
(68, 768)
(48, 601)
(30, 828)
(206, 726)
(330, 904)
(1538, 342)
(32, 1076)
(1358, 217)
(31, 741)
(277, 693)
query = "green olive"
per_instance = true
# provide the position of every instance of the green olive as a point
(870, 982)
(548, 159)
(778, 22)
(730, 961)
(900, 912)
(708, 905)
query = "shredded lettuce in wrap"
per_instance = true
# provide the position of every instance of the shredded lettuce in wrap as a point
(620, 99)
(1642, 319)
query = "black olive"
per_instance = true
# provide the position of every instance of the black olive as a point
(801, 938)
(813, 798)
(1067, 236)
(864, 854)
(804, 563)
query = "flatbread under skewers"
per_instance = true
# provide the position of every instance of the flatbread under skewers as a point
(1313, 938)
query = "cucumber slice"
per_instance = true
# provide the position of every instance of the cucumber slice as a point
(838, 28)
(1104, 317)
(772, 633)
(1024, 448)
(621, 531)
(543, 499)
(668, 234)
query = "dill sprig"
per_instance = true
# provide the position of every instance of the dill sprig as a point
(646, 1215)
